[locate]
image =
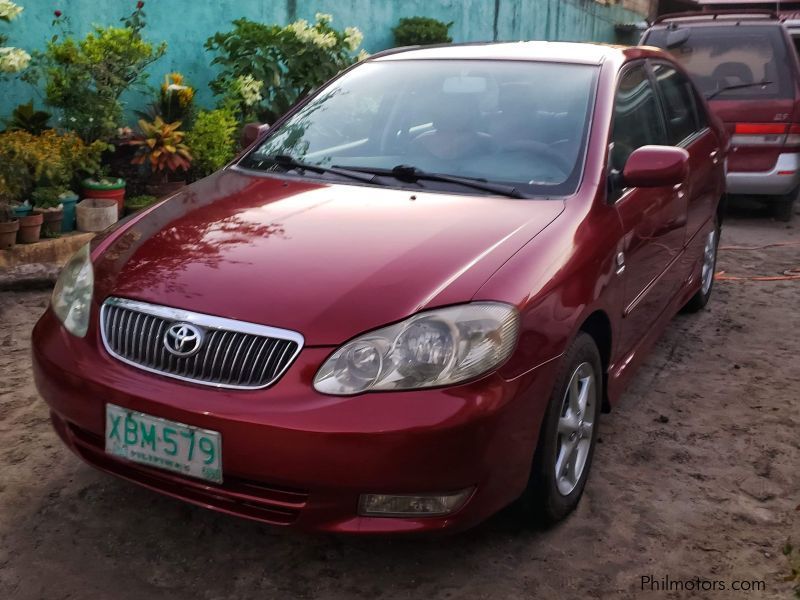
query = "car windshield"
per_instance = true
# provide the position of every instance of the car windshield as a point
(729, 62)
(518, 123)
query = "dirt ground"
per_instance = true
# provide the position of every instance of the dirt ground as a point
(698, 475)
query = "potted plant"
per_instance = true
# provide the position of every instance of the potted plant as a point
(174, 102)
(136, 203)
(9, 225)
(163, 153)
(47, 202)
(50, 160)
(212, 140)
(106, 188)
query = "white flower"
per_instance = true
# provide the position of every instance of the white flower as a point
(310, 35)
(301, 30)
(9, 10)
(249, 89)
(362, 55)
(326, 41)
(323, 18)
(13, 60)
(353, 37)
(73, 119)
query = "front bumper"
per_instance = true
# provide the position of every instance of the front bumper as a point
(781, 179)
(296, 458)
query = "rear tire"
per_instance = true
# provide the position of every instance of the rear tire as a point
(568, 436)
(707, 270)
(783, 208)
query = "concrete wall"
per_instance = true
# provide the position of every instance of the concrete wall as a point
(186, 24)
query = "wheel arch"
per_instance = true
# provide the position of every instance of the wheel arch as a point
(598, 326)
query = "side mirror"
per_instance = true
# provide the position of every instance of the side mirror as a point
(251, 132)
(656, 166)
(677, 37)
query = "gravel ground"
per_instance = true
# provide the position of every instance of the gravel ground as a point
(696, 476)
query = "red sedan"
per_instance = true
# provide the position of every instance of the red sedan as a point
(407, 304)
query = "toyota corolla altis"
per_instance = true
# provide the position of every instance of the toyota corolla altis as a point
(407, 303)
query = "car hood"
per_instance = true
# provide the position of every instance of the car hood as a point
(328, 261)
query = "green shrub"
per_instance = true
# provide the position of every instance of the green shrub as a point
(26, 118)
(139, 202)
(421, 31)
(267, 68)
(51, 159)
(84, 79)
(212, 140)
(48, 196)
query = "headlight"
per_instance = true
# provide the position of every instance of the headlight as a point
(437, 347)
(72, 296)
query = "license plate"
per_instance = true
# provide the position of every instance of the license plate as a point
(164, 444)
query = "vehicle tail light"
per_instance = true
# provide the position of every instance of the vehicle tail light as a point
(760, 134)
(793, 139)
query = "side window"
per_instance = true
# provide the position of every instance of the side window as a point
(680, 104)
(637, 117)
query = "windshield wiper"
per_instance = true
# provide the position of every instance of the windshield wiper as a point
(289, 162)
(412, 174)
(738, 86)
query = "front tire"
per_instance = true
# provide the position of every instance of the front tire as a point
(568, 436)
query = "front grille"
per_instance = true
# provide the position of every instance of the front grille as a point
(232, 354)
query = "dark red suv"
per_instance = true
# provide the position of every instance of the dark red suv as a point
(746, 66)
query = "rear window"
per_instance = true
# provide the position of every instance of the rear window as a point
(724, 61)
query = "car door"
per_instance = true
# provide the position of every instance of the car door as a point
(687, 127)
(653, 219)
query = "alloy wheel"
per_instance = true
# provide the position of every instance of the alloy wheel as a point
(709, 261)
(575, 427)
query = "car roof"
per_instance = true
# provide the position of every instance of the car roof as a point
(566, 52)
(721, 18)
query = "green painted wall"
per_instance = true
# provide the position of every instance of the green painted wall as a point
(186, 24)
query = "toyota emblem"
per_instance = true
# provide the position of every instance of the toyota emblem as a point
(183, 339)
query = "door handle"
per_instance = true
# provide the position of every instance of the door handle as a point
(714, 157)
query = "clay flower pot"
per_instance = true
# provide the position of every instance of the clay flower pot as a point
(30, 229)
(107, 189)
(8, 234)
(51, 220)
(96, 214)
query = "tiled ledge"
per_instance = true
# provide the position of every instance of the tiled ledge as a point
(27, 265)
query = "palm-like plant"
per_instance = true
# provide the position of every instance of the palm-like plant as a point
(161, 147)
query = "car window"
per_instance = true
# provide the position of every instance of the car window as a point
(719, 57)
(485, 119)
(680, 105)
(637, 117)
